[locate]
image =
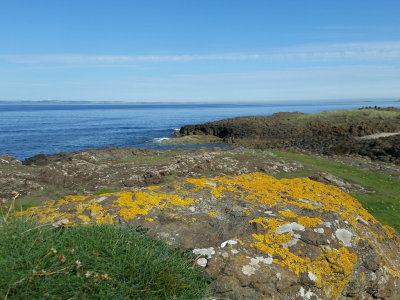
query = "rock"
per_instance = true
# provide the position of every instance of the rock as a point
(260, 237)
(328, 178)
(125, 168)
(340, 135)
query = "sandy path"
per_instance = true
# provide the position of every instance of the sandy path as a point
(377, 135)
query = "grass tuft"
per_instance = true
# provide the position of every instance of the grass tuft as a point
(92, 262)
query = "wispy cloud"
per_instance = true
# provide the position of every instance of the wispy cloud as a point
(362, 28)
(342, 51)
(94, 58)
(370, 51)
(64, 58)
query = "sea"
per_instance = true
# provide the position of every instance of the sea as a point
(30, 129)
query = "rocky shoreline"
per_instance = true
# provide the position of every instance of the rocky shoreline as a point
(261, 237)
(88, 171)
(333, 135)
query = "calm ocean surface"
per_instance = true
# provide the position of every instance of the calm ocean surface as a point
(27, 130)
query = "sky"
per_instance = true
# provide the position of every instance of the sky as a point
(201, 51)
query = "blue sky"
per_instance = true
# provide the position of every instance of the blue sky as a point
(208, 50)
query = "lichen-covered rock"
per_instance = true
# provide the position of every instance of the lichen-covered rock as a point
(262, 238)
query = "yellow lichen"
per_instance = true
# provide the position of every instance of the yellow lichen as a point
(84, 218)
(389, 231)
(213, 213)
(332, 268)
(288, 214)
(309, 222)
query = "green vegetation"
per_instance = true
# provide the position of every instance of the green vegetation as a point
(92, 262)
(341, 117)
(37, 197)
(104, 191)
(383, 203)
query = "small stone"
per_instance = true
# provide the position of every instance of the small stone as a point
(202, 262)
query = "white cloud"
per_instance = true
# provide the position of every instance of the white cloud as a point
(342, 51)
(64, 58)
(363, 51)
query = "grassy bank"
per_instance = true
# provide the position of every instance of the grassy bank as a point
(383, 203)
(341, 117)
(92, 262)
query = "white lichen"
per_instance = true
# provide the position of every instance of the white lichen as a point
(202, 262)
(361, 220)
(248, 270)
(307, 295)
(286, 228)
(228, 242)
(312, 276)
(101, 199)
(209, 252)
(344, 236)
(328, 224)
(290, 243)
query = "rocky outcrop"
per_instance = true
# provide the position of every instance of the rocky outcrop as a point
(262, 238)
(293, 131)
(125, 168)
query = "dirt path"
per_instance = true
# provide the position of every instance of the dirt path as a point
(377, 135)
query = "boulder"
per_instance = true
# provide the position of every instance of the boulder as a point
(262, 238)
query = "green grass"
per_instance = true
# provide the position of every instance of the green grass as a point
(383, 204)
(105, 190)
(122, 264)
(349, 116)
(35, 198)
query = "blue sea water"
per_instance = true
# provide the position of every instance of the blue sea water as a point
(27, 130)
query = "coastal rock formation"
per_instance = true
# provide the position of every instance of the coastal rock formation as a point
(261, 237)
(125, 168)
(338, 133)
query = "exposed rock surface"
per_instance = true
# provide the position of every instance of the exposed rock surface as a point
(125, 168)
(292, 131)
(263, 238)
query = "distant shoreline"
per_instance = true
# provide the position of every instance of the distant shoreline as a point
(84, 102)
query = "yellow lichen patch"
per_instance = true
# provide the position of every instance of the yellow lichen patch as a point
(141, 202)
(104, 218)
(288, 214)
(309, 222)
(84, 218)
(389, 231)
(247, 212)
(213, 213)
(269, 243)
(272, 244)
(264, 196)
(68, 199)
(333, 269)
